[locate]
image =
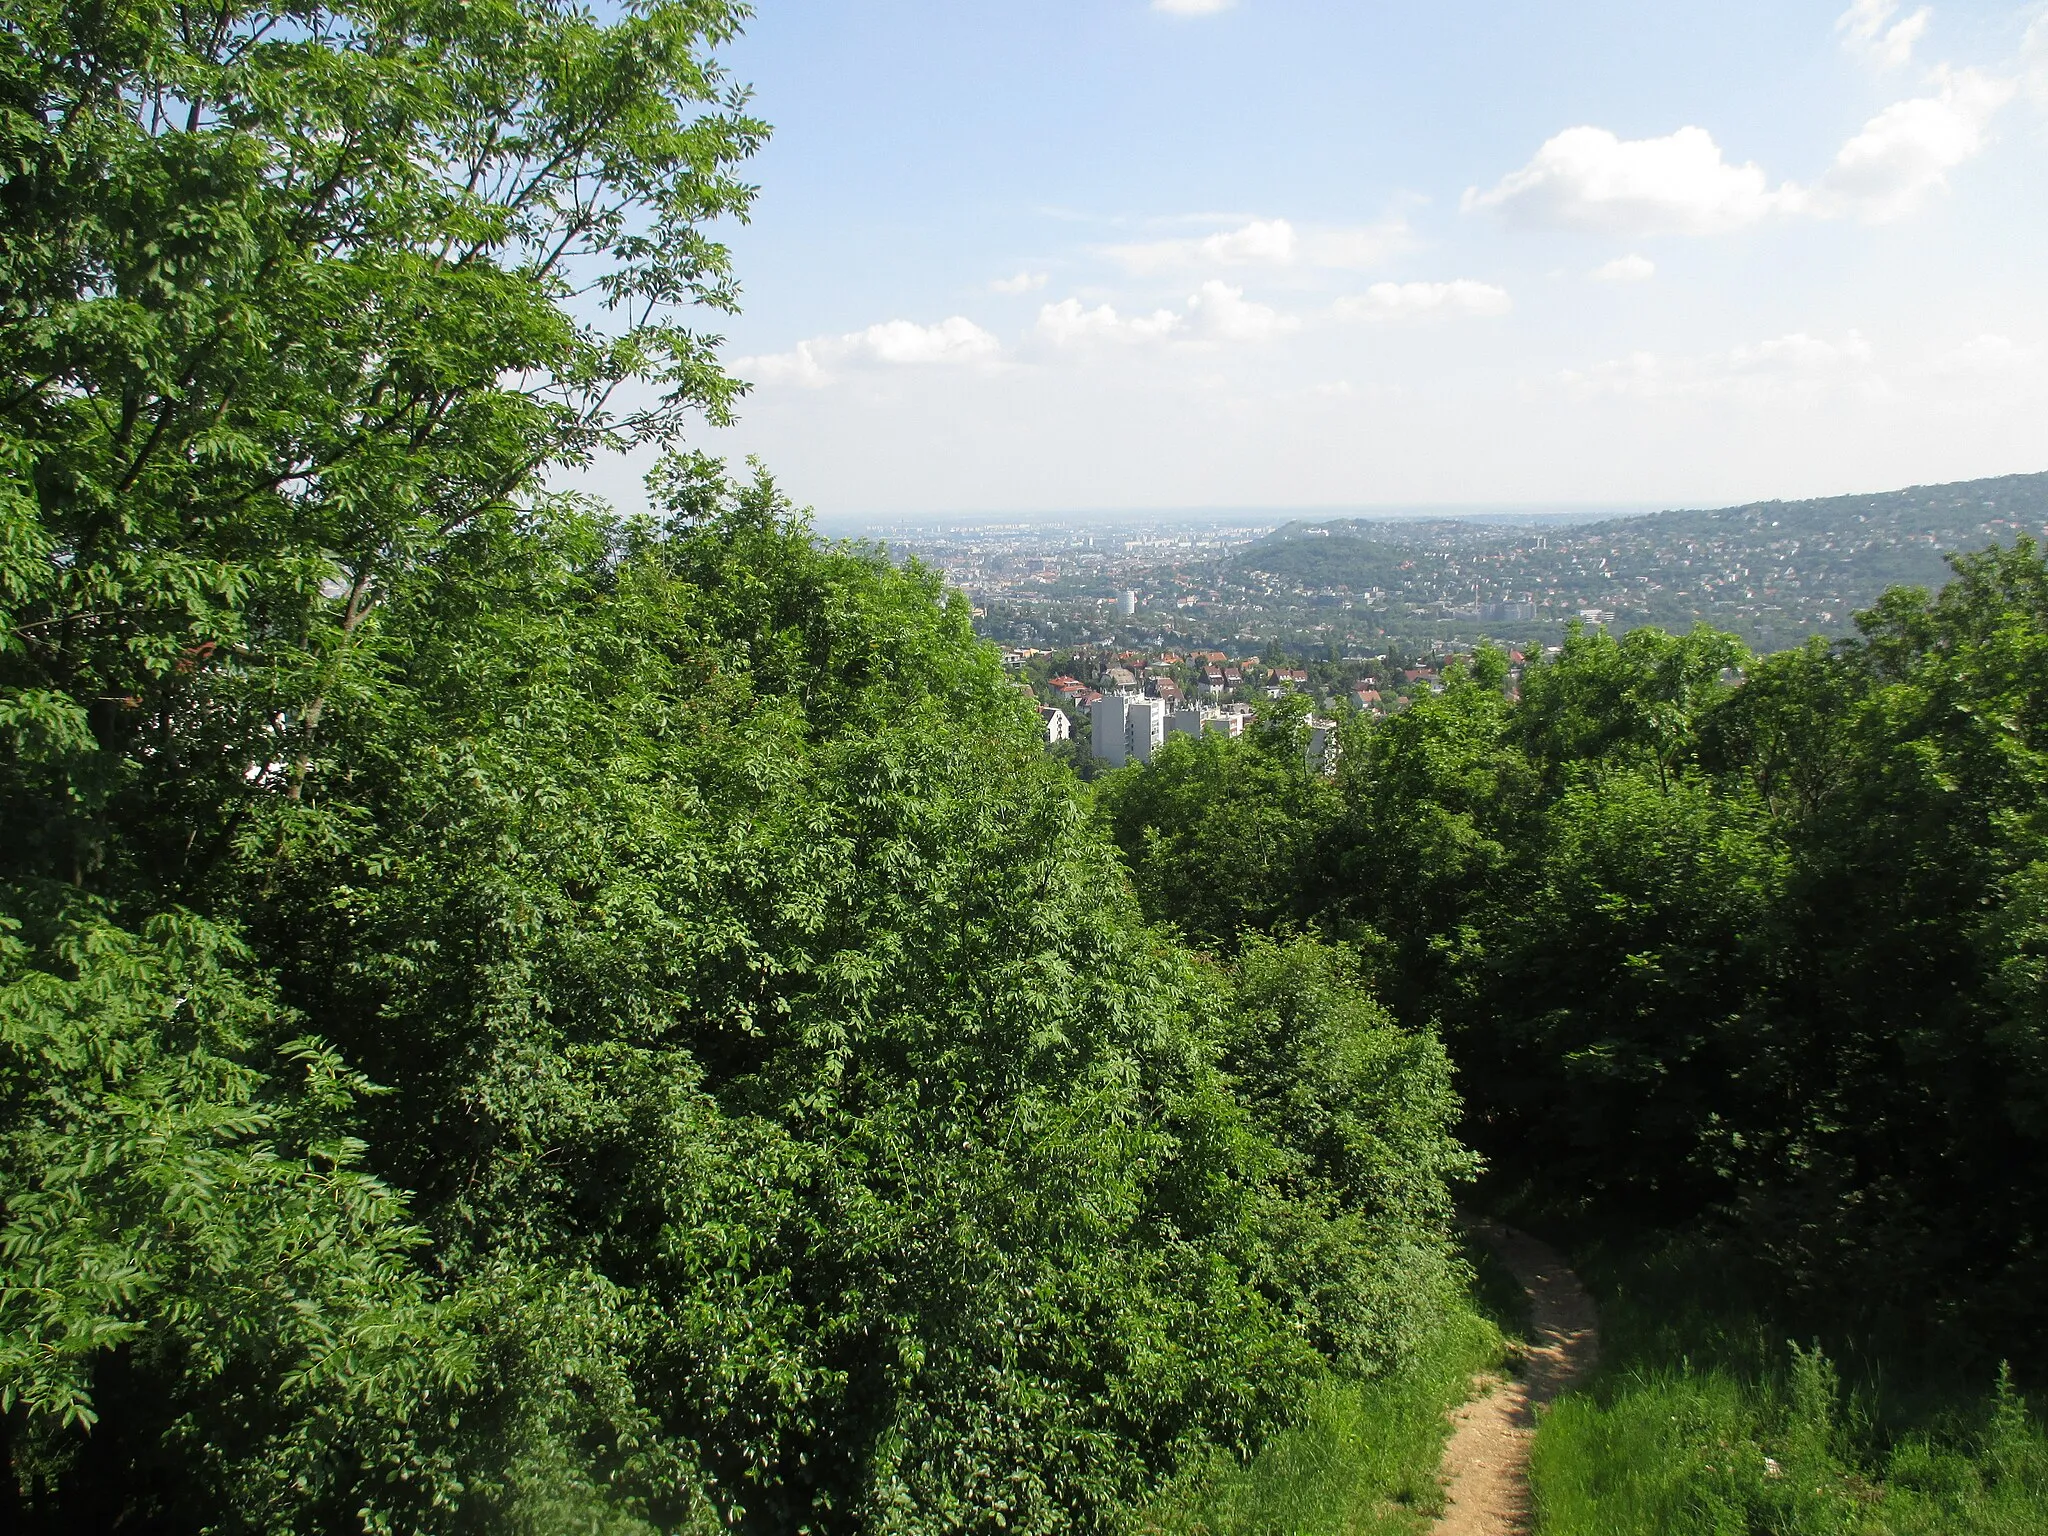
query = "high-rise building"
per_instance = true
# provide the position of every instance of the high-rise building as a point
(1126, 729)
(1106, 728)
(1126, 603)
(1144, 728)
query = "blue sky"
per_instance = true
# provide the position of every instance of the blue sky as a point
(1122, 254)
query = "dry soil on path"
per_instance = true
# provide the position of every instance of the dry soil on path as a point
(1486, 1464)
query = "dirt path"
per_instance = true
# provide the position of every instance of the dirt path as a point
(1486, 1464)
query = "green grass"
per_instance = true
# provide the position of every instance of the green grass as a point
(1705, 1421)
(1362, 1459)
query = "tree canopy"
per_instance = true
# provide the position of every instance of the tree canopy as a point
(520, 1017)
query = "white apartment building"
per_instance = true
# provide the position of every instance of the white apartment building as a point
(1197, 718)
(1058, 727)
(1126, 729)
(1106, 729)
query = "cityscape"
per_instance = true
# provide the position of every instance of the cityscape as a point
(1773, 573)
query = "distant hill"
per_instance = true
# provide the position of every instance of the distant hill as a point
(1772, 571)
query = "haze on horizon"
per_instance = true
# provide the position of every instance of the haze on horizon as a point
(1125, 256)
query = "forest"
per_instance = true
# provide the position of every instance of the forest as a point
(524, 1016)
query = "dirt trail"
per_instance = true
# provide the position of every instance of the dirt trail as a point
(1486, 1464)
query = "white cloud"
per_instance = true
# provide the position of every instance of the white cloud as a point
(1263, 242)
(954, 340)
(1067, 324)
(1904, 154)
(1985, 355)
(1362, 246)
(1410, 301)
(1588, 179)
(1626, 269)
(1023, 282)
(799, 366)
(2034, 58)
(1268, 243)
(1868, 31)
(1192, 7)
(1224, 313)
(1793, 369)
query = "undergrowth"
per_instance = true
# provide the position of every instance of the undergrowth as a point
(1706, 1420)
(1362, 1458)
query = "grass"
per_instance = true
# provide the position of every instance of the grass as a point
(1362, 1458)
(1705, 1421)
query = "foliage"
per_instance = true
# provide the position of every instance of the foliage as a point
(1704, 1419)
(1221, 837)
(1711, 935)
(514, 1018)
(1362, 1462)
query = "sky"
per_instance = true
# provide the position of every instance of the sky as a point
(1132, 254)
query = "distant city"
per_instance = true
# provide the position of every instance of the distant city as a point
(1324, 587)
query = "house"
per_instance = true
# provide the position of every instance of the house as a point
(1119, 680)
(1058, 727)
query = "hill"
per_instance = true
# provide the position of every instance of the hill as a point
(1772, 571)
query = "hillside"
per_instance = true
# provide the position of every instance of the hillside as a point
(1772, 571)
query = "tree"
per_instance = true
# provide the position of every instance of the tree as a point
(300, 302)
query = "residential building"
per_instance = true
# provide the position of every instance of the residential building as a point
(1323, 745)
(1058, 727)
(1144, 728)
(1106, 727)
(1127, 729)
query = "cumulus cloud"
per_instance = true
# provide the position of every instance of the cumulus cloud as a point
(1262, 242)
(1588, 179)
(1267, 243)
(1023, 282)
(1192, 7)
(898, 343)
(1985, 355)
(1903, 155)
(1413, 301)
(1067, 324)
(1223, 313)
(1626, 269)
(1868, 31)
(1793, 369)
